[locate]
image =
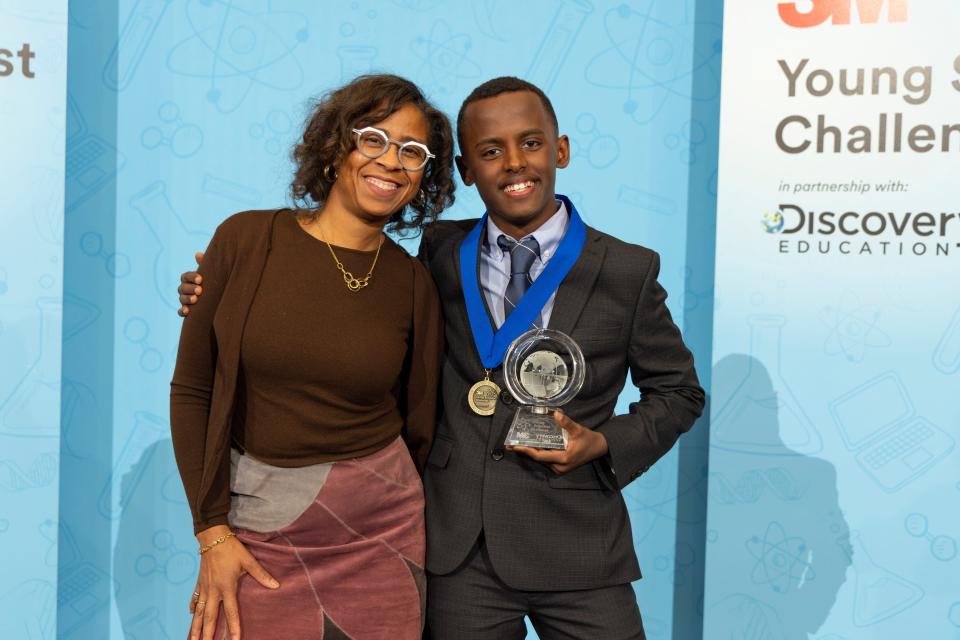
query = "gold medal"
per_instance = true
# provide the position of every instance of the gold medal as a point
(482, 396)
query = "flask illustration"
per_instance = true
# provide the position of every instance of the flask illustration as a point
(33, 407)
(173, 237)
(878, 593)
(763, 416)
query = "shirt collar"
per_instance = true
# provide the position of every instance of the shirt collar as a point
(548, 235)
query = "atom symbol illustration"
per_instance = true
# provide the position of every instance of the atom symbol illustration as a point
(239, 44)
(780, 560)
(653, 57)
(444, 57)
(853, 329)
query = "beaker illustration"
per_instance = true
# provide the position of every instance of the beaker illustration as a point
(878, 593)
(129, 466)
(355, 60)
(762, 415)
(33, 408)
(175, 240)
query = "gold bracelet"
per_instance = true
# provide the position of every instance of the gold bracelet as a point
(220, 540)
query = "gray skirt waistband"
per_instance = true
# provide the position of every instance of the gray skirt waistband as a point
(266, 498)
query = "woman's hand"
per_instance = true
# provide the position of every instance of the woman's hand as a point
(220, 570)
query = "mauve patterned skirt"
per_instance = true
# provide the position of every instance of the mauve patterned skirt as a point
(350, 565)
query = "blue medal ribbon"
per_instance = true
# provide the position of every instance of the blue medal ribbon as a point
(491, 347)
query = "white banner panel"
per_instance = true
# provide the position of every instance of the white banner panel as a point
(834, 495)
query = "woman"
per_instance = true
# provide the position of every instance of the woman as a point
(302, 373)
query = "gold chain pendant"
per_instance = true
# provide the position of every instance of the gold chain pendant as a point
(353, 284)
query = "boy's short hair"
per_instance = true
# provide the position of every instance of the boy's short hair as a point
(503, 84)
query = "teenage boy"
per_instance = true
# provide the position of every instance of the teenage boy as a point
(515, 531)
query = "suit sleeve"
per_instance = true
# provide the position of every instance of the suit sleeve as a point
(671, 398)
(422, 371)
(192, 387)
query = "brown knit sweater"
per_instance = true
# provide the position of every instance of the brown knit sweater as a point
(279, 359)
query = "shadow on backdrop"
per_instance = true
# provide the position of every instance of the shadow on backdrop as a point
(779, 544)
(154, 559)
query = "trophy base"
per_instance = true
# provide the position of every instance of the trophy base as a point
(535, 427)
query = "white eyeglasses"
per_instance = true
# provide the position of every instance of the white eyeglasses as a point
(373, 143)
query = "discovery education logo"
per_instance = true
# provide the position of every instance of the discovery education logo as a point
(859, 233)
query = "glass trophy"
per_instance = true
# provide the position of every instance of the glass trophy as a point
(543, 370)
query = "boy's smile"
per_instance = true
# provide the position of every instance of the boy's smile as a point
(511, 151)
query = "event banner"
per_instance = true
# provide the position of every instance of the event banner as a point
(33, 82)
(834, 505)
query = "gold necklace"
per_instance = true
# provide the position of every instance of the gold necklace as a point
(353, 284)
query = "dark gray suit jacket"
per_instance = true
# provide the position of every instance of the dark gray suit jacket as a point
(543, 531)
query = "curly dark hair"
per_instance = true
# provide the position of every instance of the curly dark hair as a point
(327, 139)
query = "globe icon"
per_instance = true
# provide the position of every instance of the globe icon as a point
(772, 222)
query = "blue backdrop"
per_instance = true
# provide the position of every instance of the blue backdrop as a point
(177, 113)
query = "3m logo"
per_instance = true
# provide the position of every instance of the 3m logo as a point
(839, 12)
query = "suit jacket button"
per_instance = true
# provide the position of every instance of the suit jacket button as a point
(497, 454)
(506, 398)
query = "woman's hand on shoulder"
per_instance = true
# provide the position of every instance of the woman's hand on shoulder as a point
(222, 563)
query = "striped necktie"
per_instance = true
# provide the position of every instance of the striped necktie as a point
(522, 255)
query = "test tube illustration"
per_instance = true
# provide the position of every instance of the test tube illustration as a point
(116, 493)
(557, 43)
(133, 41)
(645, 201)
(230, 190)
(355, 60)
(946, 357)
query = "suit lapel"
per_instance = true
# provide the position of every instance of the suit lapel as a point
(575, 289)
